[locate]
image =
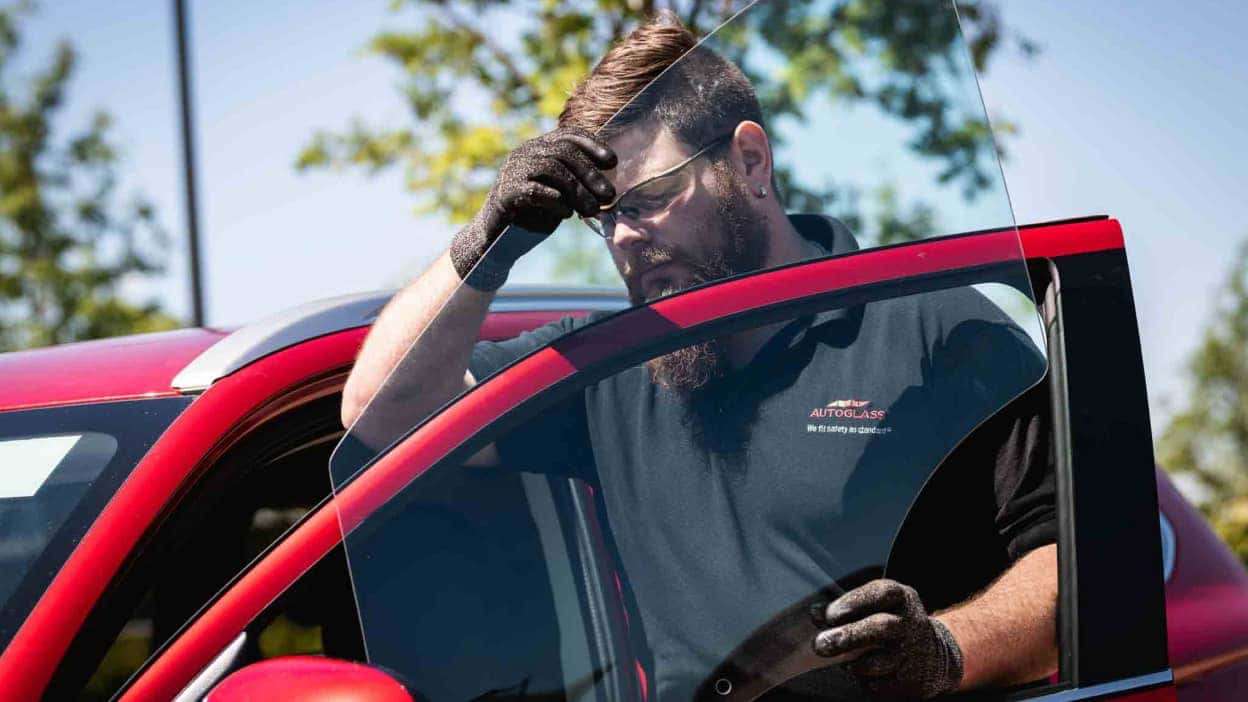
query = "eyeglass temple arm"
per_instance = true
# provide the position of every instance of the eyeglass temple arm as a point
(616, 200)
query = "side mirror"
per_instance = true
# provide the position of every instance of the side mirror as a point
(309, 679)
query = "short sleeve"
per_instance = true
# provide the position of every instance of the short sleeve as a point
(488, 357)
(552, 438)
(992, 370)
(1024, 479)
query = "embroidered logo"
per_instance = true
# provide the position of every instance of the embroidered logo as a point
(848, 409)
(855, 411)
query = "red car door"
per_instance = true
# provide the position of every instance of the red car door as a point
(400, 525)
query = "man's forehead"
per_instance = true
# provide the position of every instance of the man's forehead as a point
(643, 151)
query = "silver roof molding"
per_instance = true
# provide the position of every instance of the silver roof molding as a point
(285, 329)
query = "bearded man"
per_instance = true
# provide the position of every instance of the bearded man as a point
(663, 152)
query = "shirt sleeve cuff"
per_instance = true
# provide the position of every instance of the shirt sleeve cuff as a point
(1039, 533)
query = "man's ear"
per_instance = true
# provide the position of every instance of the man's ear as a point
(751, 154)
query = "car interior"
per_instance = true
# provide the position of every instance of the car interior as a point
(242, 504)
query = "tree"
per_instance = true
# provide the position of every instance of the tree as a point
(1208, 439)
(67, 243)
(475, 92)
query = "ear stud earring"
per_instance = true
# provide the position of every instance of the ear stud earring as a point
(762, 191)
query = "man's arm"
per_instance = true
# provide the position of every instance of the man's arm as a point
(540, 184)
(1008, 632)
(1005, 635)
(439, 362)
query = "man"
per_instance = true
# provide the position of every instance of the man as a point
(676, 132)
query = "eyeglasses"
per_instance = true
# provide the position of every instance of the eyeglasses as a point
(647, 198)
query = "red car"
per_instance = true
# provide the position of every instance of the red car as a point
(170, 530)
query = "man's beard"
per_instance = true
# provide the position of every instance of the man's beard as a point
(742, 249)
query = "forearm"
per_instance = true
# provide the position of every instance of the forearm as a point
(1008, 632)
(434, 363)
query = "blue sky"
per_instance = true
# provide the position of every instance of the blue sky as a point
(1136, 110)
(1131, 110)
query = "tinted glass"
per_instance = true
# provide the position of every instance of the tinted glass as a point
(44, 477)
(58, 468)
(684, 474)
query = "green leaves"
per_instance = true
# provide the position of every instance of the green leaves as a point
(66, 243)
(479, 77)
(1207, 440)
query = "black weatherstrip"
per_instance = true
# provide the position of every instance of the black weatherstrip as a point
(1121, 629)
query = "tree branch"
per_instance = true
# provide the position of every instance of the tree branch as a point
(691, 18)
(514, 75)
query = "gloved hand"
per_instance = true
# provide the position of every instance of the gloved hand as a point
(540, 184)
(905, 653)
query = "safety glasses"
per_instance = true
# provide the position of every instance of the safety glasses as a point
(649, 197)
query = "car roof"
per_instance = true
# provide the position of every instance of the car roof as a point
(190, 360)
(314, 319)
(125, 367)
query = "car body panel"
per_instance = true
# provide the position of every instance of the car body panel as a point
(225, 410)
(217, 418)
(1206, 603)
(300, 324)
(124, 368)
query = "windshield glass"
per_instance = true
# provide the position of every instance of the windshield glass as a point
(627, 503)
(59, 466)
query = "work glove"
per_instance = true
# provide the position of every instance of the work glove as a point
(904, 653)
(540, 184)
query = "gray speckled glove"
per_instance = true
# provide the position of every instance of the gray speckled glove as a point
(905, 654)
(539, 185)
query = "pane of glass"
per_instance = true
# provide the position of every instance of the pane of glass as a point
(672, 455)
(808, 471)
(58, 468)
(44, 477)
(839, 176)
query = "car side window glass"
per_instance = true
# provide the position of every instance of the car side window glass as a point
(679, 518)
(758, 432)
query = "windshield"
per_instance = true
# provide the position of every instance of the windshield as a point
(642, 492)
(59, 466)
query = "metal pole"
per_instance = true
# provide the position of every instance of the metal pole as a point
(188, 161)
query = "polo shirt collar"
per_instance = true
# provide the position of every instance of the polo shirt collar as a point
(834, 238)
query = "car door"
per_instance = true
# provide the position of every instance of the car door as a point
(401, 526)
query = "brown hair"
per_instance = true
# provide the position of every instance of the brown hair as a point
(659, 71)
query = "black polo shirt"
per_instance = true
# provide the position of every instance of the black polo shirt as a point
(796, 472)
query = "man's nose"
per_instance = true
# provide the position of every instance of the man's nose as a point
(628, 235)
